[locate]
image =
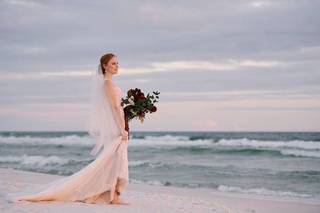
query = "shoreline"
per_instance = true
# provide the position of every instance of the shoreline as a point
(147, 198)
(216, 192)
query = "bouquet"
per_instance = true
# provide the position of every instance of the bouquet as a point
(137, 105)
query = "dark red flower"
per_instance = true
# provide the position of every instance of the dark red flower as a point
(139, 96)
(153, 109)
(137, 90)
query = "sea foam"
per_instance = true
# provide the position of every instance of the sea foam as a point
(270, 144)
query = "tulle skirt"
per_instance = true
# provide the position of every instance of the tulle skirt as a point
(95, 183)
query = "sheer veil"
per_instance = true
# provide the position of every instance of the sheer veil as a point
(101, 122)
(100, 175)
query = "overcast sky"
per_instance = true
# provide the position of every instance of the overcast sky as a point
(219, 65)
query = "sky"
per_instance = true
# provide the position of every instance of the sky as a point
(238, 65)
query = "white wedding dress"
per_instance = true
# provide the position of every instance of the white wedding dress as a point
(97, 182)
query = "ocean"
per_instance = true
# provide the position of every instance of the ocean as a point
(280, 164)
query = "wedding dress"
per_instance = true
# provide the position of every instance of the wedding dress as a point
(99, 180)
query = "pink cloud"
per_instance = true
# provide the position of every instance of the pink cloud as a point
(205, 125)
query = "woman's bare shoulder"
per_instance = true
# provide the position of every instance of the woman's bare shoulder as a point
(109, 83)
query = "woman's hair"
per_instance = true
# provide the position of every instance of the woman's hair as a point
(105, 59)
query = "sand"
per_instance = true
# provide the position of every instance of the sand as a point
(149, 198)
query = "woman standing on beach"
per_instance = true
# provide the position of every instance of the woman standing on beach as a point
(104, 179)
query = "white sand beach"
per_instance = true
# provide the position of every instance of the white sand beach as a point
(149, 198)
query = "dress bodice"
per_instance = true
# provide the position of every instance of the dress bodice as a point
(119, 96)
(118, 90)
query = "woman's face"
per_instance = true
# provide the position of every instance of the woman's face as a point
(112, 65)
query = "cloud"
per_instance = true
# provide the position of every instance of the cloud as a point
(154, 67)
(260, 4)
(229, 64)
(24, 3)
(256, 55)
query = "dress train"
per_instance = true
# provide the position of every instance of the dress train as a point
(95, 183)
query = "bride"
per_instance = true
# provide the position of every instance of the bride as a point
(104, 179)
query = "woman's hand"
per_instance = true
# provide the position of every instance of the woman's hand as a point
(124, 134)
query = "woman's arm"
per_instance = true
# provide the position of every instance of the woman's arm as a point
(116, 107)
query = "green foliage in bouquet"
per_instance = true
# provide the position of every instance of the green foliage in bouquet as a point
(136, 104)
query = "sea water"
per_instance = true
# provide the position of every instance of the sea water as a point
(281, 164)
